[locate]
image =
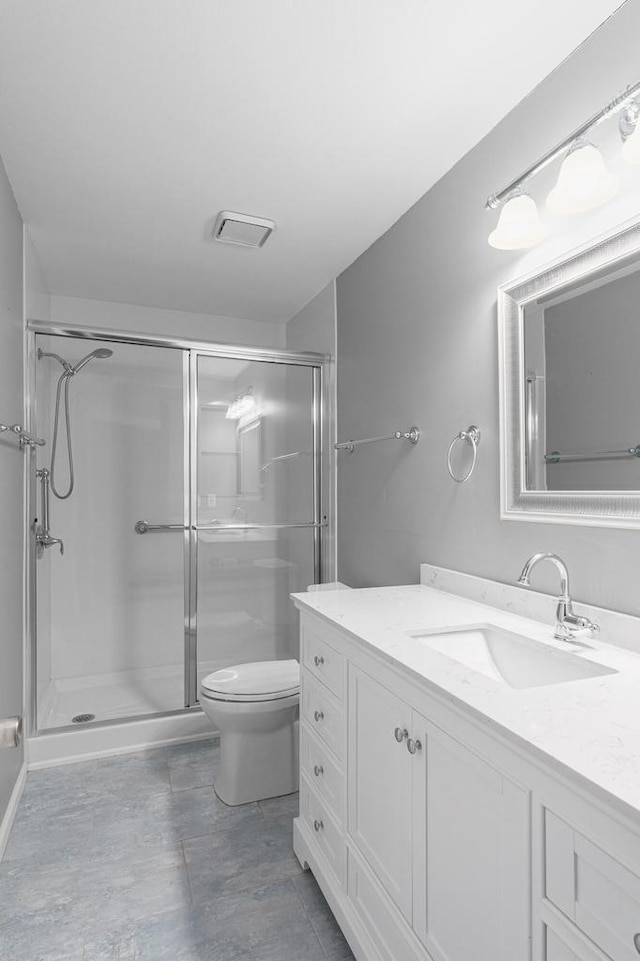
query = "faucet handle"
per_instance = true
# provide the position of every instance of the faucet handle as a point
(586, 625)
(44, 539)
(574, 625)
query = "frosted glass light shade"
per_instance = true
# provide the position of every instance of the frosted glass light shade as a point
(631, 147)
(584, 182)
(242, 406)
(519, 225)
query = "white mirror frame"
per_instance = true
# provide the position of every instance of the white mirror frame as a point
(589, 508)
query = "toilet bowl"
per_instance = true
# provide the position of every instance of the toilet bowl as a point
(255, 708)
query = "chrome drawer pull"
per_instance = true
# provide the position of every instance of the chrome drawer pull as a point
(318, 715)
(318, 660)
(318, 770)
(318, 825)
(636, 942)
(400, 734)
(414, 746)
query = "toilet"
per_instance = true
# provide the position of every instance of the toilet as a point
(255, 708)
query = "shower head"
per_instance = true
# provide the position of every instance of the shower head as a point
(101, 353)
(43, 353)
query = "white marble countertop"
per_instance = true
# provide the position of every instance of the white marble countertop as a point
(590, 727)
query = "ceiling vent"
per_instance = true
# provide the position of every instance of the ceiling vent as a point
(241, 229)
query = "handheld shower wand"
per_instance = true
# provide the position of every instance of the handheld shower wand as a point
(68, 372)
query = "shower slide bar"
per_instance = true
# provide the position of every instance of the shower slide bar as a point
(144, 527)
(25, 439)
(556, 457)
(412, 435)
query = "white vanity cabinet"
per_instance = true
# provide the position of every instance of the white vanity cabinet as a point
(435, 838)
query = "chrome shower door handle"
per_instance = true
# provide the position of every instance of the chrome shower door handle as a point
(144, 527)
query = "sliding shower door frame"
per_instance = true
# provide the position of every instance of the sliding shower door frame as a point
(317, 524)
(191, 350)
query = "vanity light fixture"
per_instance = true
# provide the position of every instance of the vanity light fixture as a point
(519, 224)
(583, 182)
(242, 406)
(630, 133)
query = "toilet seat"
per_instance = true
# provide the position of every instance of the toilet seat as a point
(256, 681)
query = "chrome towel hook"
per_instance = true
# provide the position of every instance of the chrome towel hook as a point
(472, 436)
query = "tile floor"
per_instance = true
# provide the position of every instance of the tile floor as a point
(134, 857)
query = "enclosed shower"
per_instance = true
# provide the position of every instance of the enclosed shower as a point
(184, 483)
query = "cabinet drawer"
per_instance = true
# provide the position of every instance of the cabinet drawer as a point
(323, 713)
(600, 895)
(391, 934)
(321, 771)
(321, 825)
(322, 660)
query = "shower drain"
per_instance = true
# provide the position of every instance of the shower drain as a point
(82, 718)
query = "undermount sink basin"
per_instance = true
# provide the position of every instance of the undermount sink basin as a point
(510, 659)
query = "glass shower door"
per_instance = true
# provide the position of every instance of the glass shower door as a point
(255, 506)
(111, 608)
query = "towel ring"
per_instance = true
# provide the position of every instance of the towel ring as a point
(472, 435)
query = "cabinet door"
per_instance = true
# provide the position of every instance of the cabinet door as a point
(598, 893)
(379, 784)
(557, 950)
(471, 895)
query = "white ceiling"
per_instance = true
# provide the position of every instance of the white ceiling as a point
(126, 126)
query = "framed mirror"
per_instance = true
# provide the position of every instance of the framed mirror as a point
(569, 340)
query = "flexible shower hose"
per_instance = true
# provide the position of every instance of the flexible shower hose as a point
(65, 376)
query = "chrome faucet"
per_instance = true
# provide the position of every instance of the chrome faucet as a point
(568, 624)
(240, 510)
(44, 539)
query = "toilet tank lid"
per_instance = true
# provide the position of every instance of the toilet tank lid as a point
(257, 677)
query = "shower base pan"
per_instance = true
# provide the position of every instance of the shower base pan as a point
(131, 698)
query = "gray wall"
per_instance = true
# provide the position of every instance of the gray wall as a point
(314, 328)
(417, 343)
(11, 479)
(157, 320)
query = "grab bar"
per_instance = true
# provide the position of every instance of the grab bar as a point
(556, 456)
(413, 435)
(257, 527)
(144, 527)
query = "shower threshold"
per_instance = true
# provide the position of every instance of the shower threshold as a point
(117, 696)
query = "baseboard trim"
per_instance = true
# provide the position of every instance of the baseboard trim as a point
(12, 808)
